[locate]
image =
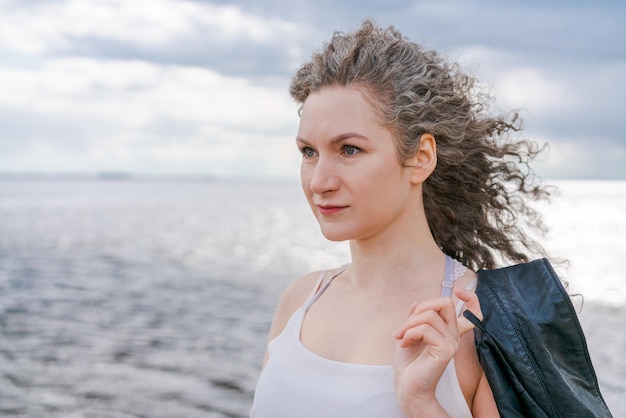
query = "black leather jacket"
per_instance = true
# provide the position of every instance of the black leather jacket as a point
(531, 345)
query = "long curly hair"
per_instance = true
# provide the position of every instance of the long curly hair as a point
(477, 199)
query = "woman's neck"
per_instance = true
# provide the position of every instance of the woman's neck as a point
(396, 261)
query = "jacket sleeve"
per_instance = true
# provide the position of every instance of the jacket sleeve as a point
(532, 347)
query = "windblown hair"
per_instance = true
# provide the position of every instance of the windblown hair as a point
(477, 199)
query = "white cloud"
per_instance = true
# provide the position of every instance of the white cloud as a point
(516, 84)
(590, 157)
(562, 158)
(532, 88)
(43, 27)
(569, 104)
(134, 94)
(172, 117)
(110, 83)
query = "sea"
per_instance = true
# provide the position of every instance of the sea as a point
(152, 297)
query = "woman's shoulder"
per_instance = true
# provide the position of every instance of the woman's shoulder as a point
(293, 297)
(298, 291)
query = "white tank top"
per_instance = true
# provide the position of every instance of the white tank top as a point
(297, 383)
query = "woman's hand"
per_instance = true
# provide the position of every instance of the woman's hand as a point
(427, 341)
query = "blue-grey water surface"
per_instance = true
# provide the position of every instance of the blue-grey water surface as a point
(154, 298)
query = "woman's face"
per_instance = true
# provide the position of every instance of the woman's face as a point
(350, 172)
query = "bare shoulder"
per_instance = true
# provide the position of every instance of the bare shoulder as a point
(293, 297)
(467, 279)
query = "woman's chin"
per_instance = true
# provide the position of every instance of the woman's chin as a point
(335, 236)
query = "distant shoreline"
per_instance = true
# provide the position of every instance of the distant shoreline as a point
(106, 176)
(201, 177)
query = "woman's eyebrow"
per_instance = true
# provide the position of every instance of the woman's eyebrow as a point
(347, 135)
(338, 138)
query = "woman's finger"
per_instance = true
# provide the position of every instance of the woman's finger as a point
(431, 318)
(438, 312)
(444, 345)
(472, 304)
(443, 305)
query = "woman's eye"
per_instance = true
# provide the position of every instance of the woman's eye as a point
(307, 152)
(350, 150)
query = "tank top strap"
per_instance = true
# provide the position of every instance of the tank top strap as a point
(315, 289)
(320, 286)
(448, 278)
(454, 270)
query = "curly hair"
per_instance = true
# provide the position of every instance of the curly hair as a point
(477, 198)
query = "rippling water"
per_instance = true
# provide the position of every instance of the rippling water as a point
(154, 298)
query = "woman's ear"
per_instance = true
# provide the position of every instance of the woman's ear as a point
(425, 159)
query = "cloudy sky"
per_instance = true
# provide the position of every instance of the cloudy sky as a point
(194, 87)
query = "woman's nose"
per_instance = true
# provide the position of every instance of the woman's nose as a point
(324, 176)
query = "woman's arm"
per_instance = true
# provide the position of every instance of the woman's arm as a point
(484, 405)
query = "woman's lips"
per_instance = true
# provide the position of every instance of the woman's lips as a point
(329, 209)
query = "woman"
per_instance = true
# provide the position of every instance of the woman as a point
(400, 158)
